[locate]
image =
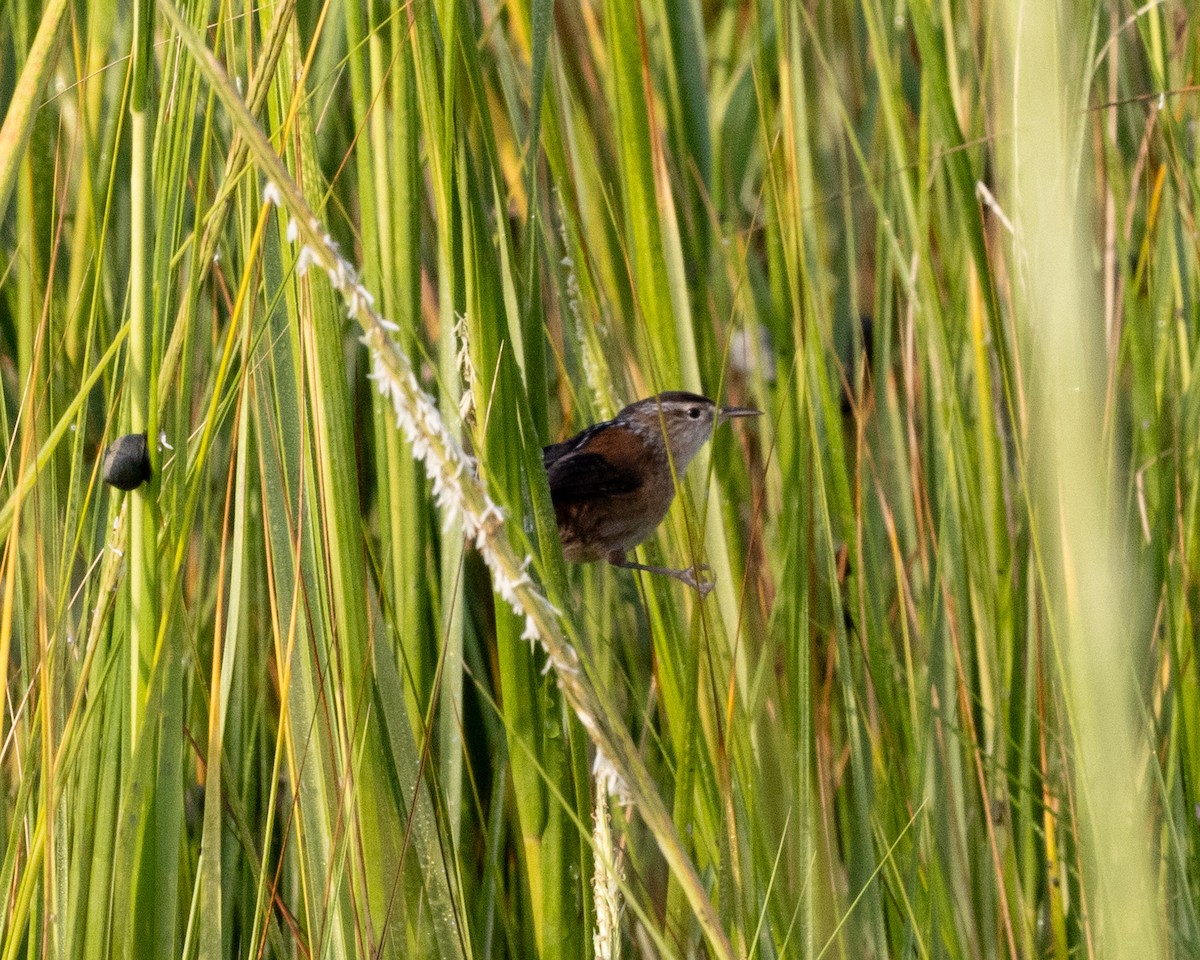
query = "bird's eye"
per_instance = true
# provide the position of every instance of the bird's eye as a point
(694, 413)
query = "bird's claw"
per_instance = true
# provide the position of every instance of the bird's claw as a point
(692, 578)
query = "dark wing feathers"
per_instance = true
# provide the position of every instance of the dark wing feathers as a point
(577, 473)
(556, 450)
(584, 476)
(551, 453)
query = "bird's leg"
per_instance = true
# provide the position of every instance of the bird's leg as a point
(690, 576)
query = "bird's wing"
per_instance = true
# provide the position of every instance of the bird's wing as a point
(584, 476)
(556, 451)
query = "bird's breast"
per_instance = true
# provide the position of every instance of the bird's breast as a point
(592, 530)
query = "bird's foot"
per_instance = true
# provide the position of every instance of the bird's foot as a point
(693, 579)
(690, 576)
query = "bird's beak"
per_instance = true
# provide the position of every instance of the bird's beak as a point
(729, 413)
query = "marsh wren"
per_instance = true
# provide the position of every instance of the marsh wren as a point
(613, 483)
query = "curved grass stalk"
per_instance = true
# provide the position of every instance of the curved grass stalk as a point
(459, 492)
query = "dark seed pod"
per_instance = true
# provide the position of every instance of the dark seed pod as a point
(127, 462)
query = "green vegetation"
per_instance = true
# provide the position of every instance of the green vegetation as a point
(324, 686)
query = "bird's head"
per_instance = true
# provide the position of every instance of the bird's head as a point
(685, 420)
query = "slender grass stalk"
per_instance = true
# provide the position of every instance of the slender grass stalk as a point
(143, 416)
